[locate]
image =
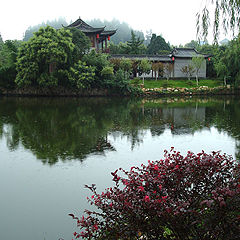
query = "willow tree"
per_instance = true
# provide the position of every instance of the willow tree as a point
(226, 15)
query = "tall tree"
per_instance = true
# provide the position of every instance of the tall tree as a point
(135, 44)
(168, 70)
(8, 54)
(158, 69)
(81, 44)
(231, 60)
(222, 71)
(148, 37)
(157, 45)
(188, 70)
(126, 66)
(226, 15)
(46, 55)
(144, 67)
(197, 62)
(193, 44)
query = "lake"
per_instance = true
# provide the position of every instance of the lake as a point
(51, 147)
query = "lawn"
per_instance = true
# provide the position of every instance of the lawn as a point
(150, 83)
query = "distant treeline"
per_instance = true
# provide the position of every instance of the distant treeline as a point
(57, 23)
(123, 33)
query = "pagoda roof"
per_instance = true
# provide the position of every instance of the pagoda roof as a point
(84, 27)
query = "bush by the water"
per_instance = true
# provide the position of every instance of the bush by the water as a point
(196, 196)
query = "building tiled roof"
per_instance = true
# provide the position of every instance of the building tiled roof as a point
(84, 27)
(87, 29)
(163, 58)
(186, 53)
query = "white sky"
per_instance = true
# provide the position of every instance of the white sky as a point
(174, 19)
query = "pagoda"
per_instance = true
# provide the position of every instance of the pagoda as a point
(97, 36)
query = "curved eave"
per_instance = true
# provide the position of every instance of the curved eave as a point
(108, 33)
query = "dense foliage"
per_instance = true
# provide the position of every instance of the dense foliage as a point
(158, 45)
(81, 44)
(191, 197)
(44, 57)
(8, 55)
(62, 58)
(227, 64)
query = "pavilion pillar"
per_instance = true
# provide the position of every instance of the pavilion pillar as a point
(105, 43)
(97, 47)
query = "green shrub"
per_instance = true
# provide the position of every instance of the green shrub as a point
(7, 77)
(136, 81)
(81, 75)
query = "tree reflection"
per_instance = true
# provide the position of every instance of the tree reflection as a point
(56, 129)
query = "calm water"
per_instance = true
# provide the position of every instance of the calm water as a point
(51, 148)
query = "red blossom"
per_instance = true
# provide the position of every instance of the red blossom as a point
(156, 167)
(164, 198)
(95, 227)
(199, 195)
(147, 198)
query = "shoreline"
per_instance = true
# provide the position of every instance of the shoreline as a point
(155, 92)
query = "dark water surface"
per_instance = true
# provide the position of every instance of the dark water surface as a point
(51, 148)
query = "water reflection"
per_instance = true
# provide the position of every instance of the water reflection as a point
(65, 128)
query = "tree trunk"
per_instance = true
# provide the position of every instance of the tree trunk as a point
(225, 82)
(143, 79)
(197, 79)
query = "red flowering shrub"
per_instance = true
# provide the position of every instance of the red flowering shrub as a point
(192, 197)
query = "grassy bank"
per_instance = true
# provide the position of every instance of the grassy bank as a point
(183, 83)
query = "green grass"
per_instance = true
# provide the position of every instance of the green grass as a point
(150, 83)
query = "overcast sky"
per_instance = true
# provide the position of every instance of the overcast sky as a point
(174, 19)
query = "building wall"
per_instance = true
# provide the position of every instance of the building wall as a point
(180, 63)
(152, 75)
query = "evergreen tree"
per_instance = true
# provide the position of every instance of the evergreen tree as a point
(157, 45)
(135, 45)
